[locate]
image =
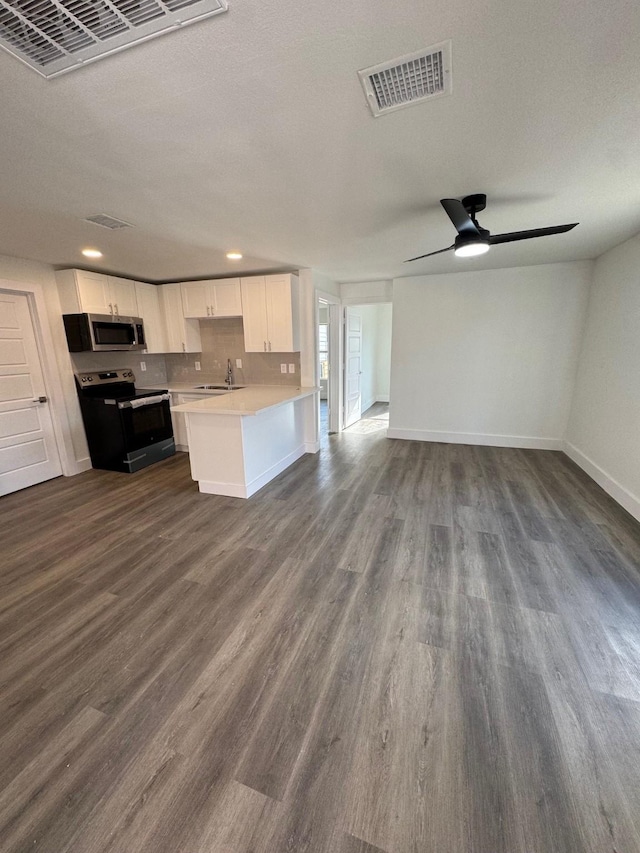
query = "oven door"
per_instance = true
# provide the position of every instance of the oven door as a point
(145, 421)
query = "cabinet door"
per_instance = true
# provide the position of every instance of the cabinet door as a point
(179, 425)
(148, 299)
(182, 335)
(196, 300)
(280, 318)
(226, 297)
(93, 291)
(254, 313)
(180, 433)
(123, 297)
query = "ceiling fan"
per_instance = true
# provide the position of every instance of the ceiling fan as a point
(474, 240)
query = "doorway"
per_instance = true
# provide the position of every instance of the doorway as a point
(329, 351)
(28, 449)
(367, 366)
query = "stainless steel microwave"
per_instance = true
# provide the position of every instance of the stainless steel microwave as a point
(103, 333)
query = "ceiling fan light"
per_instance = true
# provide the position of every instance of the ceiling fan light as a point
(470, 250)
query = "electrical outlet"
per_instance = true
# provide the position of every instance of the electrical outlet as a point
(143, 365)
(283, 368)
(239, 363)
(197, 364)
(292, 368)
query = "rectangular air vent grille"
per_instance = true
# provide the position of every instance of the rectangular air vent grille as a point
(54, 36)
(107, 221)
(409, 80)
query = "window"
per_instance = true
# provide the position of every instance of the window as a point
(323, 349)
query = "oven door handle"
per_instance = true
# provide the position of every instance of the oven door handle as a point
(143, 401)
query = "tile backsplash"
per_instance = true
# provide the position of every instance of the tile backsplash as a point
(223, 339)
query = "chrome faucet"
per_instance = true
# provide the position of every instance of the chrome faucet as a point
(229, 378)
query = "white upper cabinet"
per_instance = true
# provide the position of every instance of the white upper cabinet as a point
(183, 334)
(270, 308)
(217, 298)
(227, 297)
(123, 297)
(254, 314)
(148, 299)
(95, 293)
(195, 299)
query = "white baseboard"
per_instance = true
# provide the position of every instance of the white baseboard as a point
(487, 439)
(240, 490)
(382, 398)
(612, 487)
(79, 467)
(311, 446)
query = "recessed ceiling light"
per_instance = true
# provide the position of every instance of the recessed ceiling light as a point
(91, 253)
(234, 256)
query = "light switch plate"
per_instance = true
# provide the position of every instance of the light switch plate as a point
(283, 368)
(197, 364)
(292, 368)
(239, 363)
(143, 365)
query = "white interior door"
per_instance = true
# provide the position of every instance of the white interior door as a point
(28, 450)
(353, 367)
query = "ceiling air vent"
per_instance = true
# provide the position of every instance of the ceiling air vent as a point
(54, 36)
(409, 80)
(108, 221)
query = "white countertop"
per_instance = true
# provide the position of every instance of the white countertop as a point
(245, 401)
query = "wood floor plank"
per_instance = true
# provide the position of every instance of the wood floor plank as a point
(395, 646)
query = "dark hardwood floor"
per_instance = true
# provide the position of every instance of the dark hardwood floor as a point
(394, 647)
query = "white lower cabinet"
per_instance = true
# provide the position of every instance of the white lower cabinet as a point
(183, 335)
(179, 425)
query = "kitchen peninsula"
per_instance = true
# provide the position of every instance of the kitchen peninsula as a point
(240, 440)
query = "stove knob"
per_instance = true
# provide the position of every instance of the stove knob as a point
(89, 378)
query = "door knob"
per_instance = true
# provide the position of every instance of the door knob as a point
(40, 400)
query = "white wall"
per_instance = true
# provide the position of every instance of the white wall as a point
(383, 353)
(361, 292)
(604, 428)
(487, 357)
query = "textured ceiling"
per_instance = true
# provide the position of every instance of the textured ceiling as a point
(250, 131)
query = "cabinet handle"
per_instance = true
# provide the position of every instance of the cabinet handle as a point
(265, 346)
(116, 307)
(183, 347)
(213, 313)
(269, 346)
(208, 311)
(111, 308)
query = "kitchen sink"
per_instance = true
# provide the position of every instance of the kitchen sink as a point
(218, 387)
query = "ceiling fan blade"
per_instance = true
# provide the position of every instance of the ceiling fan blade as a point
(459, 216)
(527, 235)
(439, 252)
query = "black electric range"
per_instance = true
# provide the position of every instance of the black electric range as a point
(127, 428)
